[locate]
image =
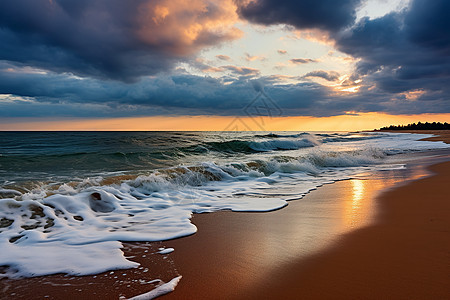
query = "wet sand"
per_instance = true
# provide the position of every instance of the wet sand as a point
(404, 255)
(342, 241)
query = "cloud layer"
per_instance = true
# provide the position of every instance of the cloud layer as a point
(328, 15)
(404, 51)
(39, 94)
(403, 56)
(111, 39)
(117, 58)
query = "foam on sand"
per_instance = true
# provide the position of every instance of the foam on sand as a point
(159, 291)
(165, 250)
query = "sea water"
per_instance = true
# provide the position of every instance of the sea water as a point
(69, 199)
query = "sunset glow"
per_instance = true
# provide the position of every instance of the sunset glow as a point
(349, 122)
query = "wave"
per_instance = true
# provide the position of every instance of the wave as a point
(283, 144)
(69, 227)
(173, 178)
(277, 135)
(199, 175)
(354, 138)
(244, 146)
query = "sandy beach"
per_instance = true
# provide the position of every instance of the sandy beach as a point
(403, 254)
(353, 239)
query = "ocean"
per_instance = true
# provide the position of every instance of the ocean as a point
(69, 199)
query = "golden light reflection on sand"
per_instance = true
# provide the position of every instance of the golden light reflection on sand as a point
(308, 224)
(357, 204)
(359, 207)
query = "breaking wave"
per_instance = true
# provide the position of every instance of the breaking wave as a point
(76, 226)
(244, 146)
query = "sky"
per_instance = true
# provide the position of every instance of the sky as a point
(223, 65)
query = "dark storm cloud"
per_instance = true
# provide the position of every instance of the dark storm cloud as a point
(398, 53)
(428, 24)
(175, 95)
(104, 40)
(108, 38)
(406, 50)
(178, 91)
(328, 15)
(51, 94)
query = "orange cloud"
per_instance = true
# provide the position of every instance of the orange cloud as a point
(413, 95)
(315, 35)
(249, 57)
(186, 26)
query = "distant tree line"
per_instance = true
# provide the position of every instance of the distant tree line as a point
(420, 126)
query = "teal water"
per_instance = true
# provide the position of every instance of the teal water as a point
(71, 198)
(46, 156)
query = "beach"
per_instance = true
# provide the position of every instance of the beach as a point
(403, 254)
(372, 237)
(224, 149)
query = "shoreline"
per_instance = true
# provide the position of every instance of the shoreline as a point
(297, 275)
(441, 135)
(403, 255)
(341, 267)
(238, 255)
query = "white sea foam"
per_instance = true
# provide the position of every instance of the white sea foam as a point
(166, 251)
(78, 228)
(8, 193)
(159, 291)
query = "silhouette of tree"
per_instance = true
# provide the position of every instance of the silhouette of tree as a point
(419, 126)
